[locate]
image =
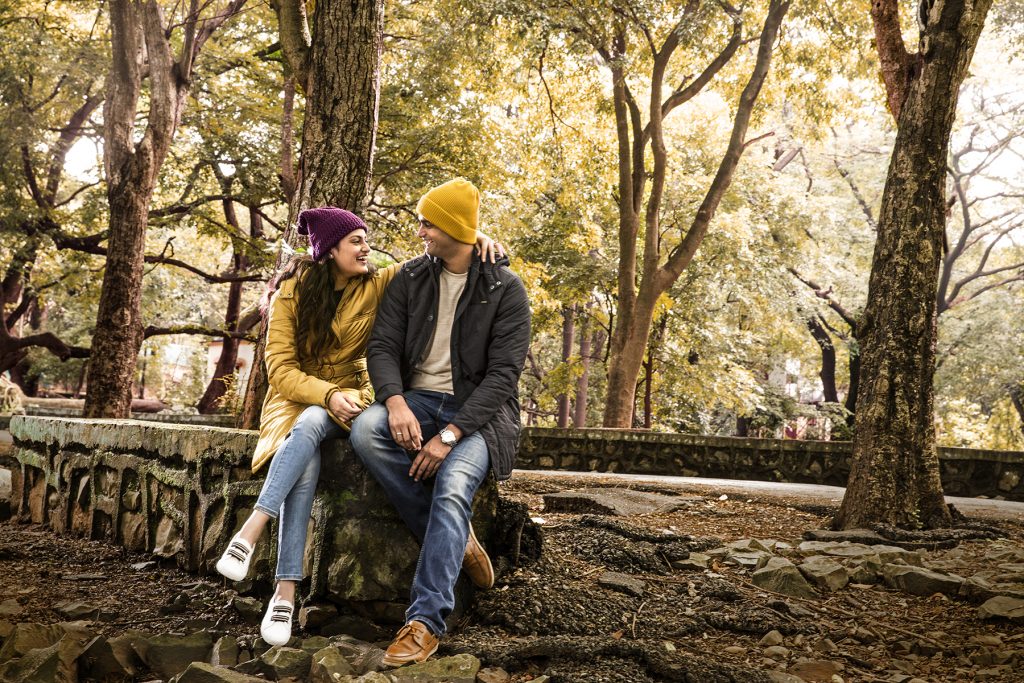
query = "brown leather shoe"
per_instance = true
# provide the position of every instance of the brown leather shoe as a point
(476, 564)
(413, 644)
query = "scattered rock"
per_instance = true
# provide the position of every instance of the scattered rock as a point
(457, 669)
(26, 637)
(201, 672)
(865, 570)
(781, 576)
(615, 502)
(695, 562)
(752, 544)
(783, 677)
(777, 652)
(492, 676)
(143, 566)
(824, 573)
(815, 670)
(364, 657)
(770, 638)
(920, 581)
(225, 652)
(312, 617)
(52, 664)
(10, 608)
(751, 559)
(314, 644)
(286, 662)
(250, 609)
(623, 583)
(329, 666)
(113, 659)
(74, 609)
(168, 655)
(1002, 607)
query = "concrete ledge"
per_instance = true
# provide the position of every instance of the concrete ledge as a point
(180, 491)
(164, 441)
(965, 472)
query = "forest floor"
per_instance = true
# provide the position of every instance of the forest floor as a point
(613, 598)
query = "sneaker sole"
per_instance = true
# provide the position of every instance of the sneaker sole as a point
(230, 575)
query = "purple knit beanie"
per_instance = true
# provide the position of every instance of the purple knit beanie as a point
(326, 226)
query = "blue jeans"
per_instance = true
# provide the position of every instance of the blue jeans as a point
(288, 490)
(438, 516)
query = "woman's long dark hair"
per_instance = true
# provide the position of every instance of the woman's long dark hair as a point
(317, 303)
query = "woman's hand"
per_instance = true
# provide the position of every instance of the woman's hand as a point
(488, 248)
(343, 407)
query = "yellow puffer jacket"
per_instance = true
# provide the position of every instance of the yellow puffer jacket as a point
(295, 385)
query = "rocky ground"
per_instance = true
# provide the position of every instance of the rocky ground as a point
(640, 584)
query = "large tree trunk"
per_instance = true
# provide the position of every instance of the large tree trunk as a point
(118, 335)
(138, 35)
(568, 341)
(340, 71)
(894, 477)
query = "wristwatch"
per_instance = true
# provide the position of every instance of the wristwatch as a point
(448, 438)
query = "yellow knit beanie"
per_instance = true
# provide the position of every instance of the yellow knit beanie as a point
(454, 207)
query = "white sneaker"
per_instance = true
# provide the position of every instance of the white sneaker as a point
(234, 563)
(276, 627)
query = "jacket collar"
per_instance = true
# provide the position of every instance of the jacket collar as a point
(489, 272)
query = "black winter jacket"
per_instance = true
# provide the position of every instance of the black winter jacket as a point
(490, 339)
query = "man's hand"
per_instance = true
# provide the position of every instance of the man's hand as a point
(429, 459)
(343, 407)
(405, 428)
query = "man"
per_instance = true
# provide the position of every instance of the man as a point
(444, 357)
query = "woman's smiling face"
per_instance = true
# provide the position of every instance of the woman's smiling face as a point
(350, 255)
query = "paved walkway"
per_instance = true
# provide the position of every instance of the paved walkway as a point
(1004, 509)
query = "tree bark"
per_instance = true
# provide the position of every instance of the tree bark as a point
(894, 477)
(579, 418)
(1017, 398)
(635, 305)
(851, 393)
(215, 390)
(340, 126)
(828, 359)
(339, 69)
(568, 341)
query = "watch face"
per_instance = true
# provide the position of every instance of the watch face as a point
(448, 437)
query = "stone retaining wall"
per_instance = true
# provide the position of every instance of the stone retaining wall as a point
(180, 492)
(965, 471)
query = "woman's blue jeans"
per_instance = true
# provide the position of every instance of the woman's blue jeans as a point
(288, 490)
(439, 515)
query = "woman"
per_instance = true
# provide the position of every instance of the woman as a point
(320, 320)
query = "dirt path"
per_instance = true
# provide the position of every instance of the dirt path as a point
(663, 617)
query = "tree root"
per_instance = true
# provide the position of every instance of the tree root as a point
(659, 663)
(939, 539)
